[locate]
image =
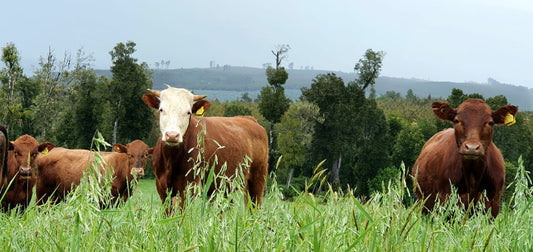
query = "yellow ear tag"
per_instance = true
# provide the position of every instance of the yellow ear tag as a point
(200, 112)
(509, 119)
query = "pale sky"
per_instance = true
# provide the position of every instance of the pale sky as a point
(453, 40)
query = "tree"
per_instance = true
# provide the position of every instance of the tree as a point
(272, 101)
(407, 145)
(295, 133)
(49, 105)
(10, 76)
(235, 109)
(132, 118)
(368, 68)
(497, 101)
(456, 98)
(335, 136)
(81, 122)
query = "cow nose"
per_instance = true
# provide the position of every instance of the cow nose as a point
(137, 171)
(472, 147)
(172, 136)
(25, 171)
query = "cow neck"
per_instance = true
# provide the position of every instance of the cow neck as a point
(473, 172)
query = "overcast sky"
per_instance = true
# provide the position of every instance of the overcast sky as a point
(453, 40)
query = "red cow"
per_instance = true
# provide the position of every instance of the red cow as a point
(62, 169)
(464, 156)
(4, 149)
(22, 161)
(230, 139)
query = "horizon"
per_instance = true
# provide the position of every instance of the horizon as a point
(455, 41)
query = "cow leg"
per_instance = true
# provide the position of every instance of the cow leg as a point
(492, 202)
(256, 188)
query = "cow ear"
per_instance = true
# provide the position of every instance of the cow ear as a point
(151, 100)
(46, 146)
(11, 145)
(120, 148)
(150, 151)
(505, 115)
(200, 107)
(443, 111)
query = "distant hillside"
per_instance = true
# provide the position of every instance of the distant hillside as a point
(229, 83)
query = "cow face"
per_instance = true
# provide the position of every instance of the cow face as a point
(176, 107)
(473, 123)
(137, 152)
(25, 150)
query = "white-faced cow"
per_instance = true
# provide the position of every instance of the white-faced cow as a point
(62, 169)
(463, 157)
(177, 149)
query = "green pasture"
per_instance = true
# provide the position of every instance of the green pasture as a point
(321, 221)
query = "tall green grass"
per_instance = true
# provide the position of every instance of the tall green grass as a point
(330, 221)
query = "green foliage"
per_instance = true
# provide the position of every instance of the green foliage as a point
(11, 77)
(496, 101)
(236, 108)
(273, 103)
(48, 109)
(380, 183)
(368, 68)
(295, 132)
(132, 118)
(456, 98)
(276, 77)
(407, 145)
(353, 136)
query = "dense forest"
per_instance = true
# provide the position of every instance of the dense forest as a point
(343, 125)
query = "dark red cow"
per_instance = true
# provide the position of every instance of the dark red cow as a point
(22, 162)
(4, 149)
(464, 156)
(62, 169)
(230, 139)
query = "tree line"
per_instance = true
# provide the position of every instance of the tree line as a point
(66, 102)
(359, 139)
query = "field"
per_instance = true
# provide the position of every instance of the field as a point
(331, 221)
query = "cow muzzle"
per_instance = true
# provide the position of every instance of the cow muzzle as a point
(25, 172)
(139, 172)
(472, 150)
(172, 138)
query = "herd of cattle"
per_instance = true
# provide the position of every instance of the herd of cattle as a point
(463, 157)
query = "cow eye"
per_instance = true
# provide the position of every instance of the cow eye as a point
(491, 123)
(189, 113)
(160, 110)
(455, 121)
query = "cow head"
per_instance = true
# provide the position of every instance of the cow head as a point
(176, 107)
(137, 152)
(25, 150)
(473, 123)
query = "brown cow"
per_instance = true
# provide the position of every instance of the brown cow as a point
(4, 149)
(230, 139)
(464, 156)
(62, 169)
(22, 161)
